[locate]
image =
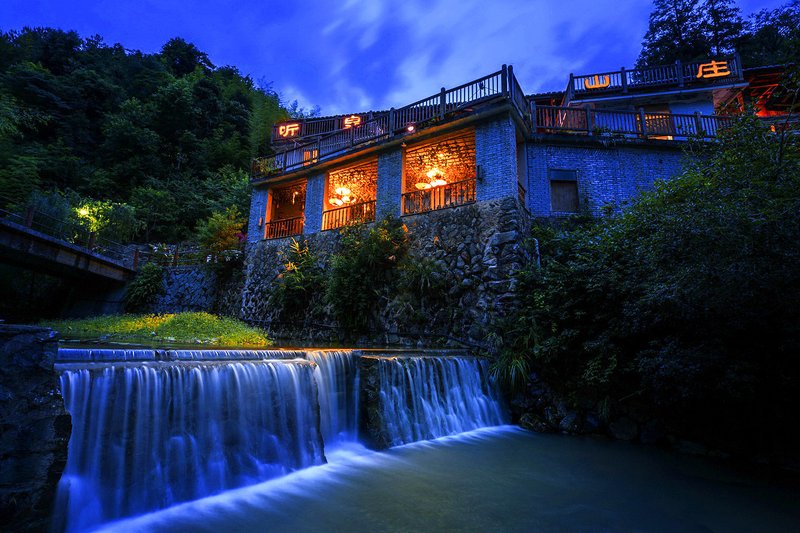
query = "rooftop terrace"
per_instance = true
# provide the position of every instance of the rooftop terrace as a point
(307, 142)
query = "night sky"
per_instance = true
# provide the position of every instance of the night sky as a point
(351, 55)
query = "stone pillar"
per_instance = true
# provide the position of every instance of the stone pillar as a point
(315, 196)
(496, 157)
(390, 184)
(34, 427)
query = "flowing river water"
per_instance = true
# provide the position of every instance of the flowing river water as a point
(213, 441)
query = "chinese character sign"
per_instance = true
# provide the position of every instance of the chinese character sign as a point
(289, 130)
(714, 69)
(597, 83)
(352, 121)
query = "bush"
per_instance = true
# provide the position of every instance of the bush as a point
(363, 272)
(687, 300)
(148, 283)
(300, 282)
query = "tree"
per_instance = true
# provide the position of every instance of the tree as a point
(722, 25)
(773, 37)
(674, 33)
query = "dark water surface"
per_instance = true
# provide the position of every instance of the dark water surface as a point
(497, 479)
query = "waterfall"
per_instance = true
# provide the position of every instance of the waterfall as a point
(338, 381)
(430, 397)
(148, 435)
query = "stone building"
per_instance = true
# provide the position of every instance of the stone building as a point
(484, 153)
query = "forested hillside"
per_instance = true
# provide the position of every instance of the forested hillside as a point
(156, 142)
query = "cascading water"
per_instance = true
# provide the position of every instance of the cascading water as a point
(430, 397)
(152, 428)
(338, 381)
(149, 435)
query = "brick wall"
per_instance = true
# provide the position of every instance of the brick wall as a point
(496, 157)
(258, 209)
(390, 184)
(605, 174)
(315, 196)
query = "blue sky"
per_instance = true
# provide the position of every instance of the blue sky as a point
(357, 55)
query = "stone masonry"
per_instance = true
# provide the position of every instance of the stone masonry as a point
(474, 248)
(34, 427)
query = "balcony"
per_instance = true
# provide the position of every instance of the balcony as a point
(287, 227)
(361, 213)
(439, 197)
(660, 77)
(577, 120)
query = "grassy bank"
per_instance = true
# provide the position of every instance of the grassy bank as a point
(180, 328)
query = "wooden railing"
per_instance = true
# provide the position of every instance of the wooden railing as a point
(341, 216)
(450, 195)
(394, 121)
(677, 74)
(64, 230)
(286, 227)
(551, 119)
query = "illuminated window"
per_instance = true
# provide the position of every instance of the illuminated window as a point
(440, 174)
(564, 191)
(350, 195)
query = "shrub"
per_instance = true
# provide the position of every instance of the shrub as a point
(300, 282)
(363, 271)
(148, 283)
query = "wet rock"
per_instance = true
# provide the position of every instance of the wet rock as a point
(34, 425)
(533, 422)
(571, 423)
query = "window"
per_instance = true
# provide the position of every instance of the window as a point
(563, 191)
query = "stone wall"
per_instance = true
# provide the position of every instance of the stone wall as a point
(187, 288)
(608, 171)
(34, 427)
(475, 248)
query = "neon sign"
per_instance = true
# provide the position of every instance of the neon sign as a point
(596, 83)
(352, 121)
(289, 130)
(714, 69)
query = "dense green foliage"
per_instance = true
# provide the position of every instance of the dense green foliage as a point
(364, 271)
(688, 301)
(168, 134)
(143, 289)
(690, 30)
(176, 328)
(301, 280)
(371, 280)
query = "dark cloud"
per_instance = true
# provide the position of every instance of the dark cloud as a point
(354, 55)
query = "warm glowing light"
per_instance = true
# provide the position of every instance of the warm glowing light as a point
(715, 69)
(422, 185)
(438, 182)
(433, 173)
(343, 191)
(596, 83)
(410, 128)
(352, 121)
(83, 211)
(289, 130)
(336, 201)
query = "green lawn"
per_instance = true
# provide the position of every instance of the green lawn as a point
(180, 328)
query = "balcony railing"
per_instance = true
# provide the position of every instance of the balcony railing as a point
(677, 75)
(551, 119)
(341, 216)
(384, 125)
(450, 195)
(286, 227)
